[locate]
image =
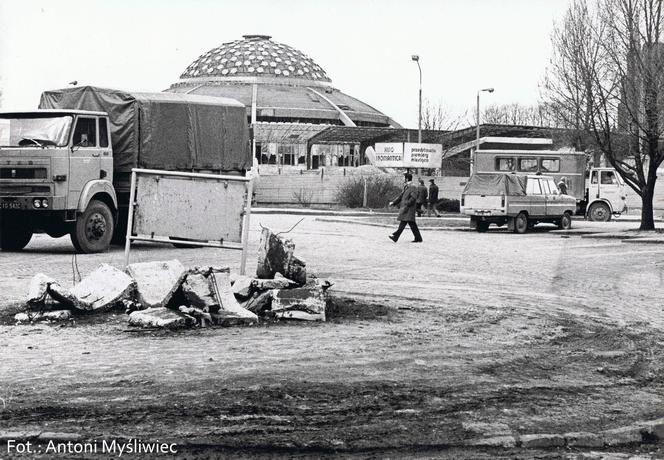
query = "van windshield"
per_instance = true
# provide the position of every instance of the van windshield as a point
(33, 131)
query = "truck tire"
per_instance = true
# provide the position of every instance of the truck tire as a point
(482, 226)
(93, 229)
(521, 223)
(565, 222)
(14, 236)
(599, 212)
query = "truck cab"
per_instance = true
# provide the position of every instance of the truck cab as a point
(605, 194)
(56, 176)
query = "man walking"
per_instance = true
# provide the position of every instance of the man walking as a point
(433, 198)
(407, 202)
(421, 198)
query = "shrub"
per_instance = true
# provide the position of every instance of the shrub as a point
(447, 205)
(304, 197)
(380, 191)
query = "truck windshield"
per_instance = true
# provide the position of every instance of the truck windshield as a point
(34, 131)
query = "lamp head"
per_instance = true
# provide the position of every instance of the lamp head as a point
(488, 90)
(415, 57)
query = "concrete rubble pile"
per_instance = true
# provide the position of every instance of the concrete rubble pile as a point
(166, 294)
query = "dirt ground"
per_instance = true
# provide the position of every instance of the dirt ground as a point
(430, 346)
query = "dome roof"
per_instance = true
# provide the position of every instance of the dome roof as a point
(255, 56)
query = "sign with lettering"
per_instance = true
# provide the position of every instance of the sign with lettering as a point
(422, 155)
(389, 155)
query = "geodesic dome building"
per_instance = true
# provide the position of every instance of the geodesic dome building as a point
(289, 100)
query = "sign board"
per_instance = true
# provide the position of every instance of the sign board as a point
(189, 209)
(423, 155)
(408, 155)
(389, 155)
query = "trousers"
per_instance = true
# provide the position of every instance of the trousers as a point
(413, 228)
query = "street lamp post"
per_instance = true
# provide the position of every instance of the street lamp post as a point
(416, 58)
(477, 126)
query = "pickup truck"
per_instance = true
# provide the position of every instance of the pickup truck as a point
(518, 201)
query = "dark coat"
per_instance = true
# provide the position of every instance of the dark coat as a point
(433, 194)
(422, 194)
(407, 202)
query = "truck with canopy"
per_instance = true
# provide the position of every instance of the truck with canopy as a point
(66, 167)
(520, 201)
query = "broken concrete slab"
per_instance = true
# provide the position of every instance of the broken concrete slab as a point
(305, 303)
(243, 286)
(279, 282)
(259, 302)
(201, 317)
(296, 270)
(198, 289)
(53, 315)
(157, 317)
(156, 282)
(99, 291)
(38, 290)
(277, 255)
(229, 308)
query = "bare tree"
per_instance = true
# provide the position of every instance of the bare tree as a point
(436, 117)
(518, 114)
(606, 77)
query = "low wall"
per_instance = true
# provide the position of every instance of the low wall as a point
(320, 188)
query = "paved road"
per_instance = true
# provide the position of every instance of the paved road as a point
(519, 333)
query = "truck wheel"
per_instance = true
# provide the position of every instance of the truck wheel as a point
(599, 212)
(565, 222)
(14, 236)
(482, 226)
(93, 229)
(521, 223)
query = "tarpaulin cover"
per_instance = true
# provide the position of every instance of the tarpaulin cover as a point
(496, 184)
(171, 131)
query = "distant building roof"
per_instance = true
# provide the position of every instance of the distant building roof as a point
(255, 55)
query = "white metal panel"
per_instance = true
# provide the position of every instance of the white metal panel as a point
(192, 208)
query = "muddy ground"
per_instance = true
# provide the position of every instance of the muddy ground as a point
(464, 337)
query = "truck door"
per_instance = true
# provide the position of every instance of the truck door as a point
(84, 163)
(612, 189)
(537, 199)
(554, 206)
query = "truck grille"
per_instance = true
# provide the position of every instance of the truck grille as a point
(22, 173)
(18, 190)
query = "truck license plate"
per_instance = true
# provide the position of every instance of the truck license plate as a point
(10, 205)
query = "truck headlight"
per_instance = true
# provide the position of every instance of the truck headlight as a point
(44, 203)
(36, 203)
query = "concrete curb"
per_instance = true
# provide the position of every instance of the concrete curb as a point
(374, 224)
(319, 212)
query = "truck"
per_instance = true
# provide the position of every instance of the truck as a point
(518, 201)
(65, 168)
(600, 193)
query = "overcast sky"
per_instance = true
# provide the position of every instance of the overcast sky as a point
(365, 46)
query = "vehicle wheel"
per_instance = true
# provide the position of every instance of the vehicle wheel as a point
(565, 222)
(521, 223)
(482, 226)
(93, 229)
(599, 212)
(14, 236)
